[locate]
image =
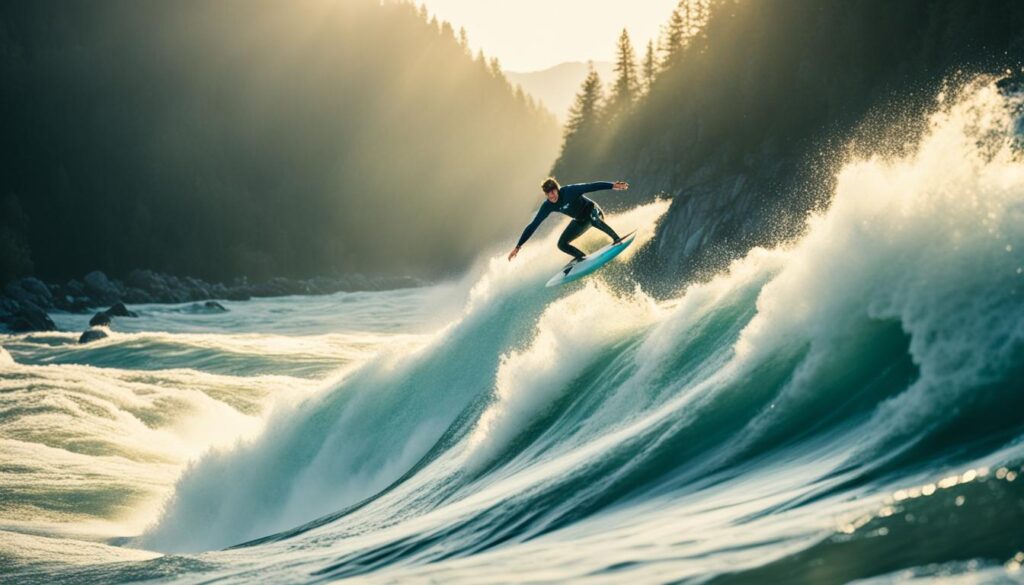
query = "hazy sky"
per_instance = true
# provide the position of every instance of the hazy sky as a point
(527, 35)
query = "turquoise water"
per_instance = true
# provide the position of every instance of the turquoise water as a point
(846, 407)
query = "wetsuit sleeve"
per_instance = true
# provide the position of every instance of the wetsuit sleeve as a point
(591, 187)
(542, 214)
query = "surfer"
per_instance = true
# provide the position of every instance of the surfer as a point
(571, 201)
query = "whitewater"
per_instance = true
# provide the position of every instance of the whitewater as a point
(846, 406)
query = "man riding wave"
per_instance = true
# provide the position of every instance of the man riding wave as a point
(571, 201)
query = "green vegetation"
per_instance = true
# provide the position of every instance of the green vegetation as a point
(255, 137)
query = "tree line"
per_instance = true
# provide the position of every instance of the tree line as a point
(767, 95)
(257, 138)
(595, 114)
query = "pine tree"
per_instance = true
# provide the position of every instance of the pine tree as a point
(496, 71)
(463, 39)
(446, 30)
(650, 67)
(583, 116)
(627, 83)
(675, 34)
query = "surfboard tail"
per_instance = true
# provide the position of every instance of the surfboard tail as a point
(591, 262)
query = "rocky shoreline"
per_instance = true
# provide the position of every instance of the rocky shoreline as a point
(25, 303)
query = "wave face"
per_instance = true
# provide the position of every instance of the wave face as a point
(848, 406)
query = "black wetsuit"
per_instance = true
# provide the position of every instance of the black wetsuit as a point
(583, 211)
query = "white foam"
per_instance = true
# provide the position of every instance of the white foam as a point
(571, 333)
(932, 241)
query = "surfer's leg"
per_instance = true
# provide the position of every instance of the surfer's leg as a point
(572, 231)
(597, 220)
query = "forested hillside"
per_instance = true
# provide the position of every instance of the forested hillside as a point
(255, 137)
(745, 108)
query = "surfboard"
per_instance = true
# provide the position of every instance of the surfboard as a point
(591, 262)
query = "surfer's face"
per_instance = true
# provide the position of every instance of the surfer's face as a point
(552, 195)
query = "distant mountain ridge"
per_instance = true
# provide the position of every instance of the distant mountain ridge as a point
(556, 86)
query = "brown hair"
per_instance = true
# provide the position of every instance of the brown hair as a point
(550, 184)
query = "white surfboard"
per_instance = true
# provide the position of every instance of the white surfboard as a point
(591, 262)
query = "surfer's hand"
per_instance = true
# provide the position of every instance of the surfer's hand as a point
(513, 253)
(620, 185)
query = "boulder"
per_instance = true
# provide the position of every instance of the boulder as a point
(214, 306)
(138, 296)
(8, 307)
(146, 280)
(100, 288)
(94, 334)
(14, 292)
(74, 288)
(37, 288)
(30, 290)
(197, 289)
(119, 310)
(101, 319)
(97, 281)
(29, 317)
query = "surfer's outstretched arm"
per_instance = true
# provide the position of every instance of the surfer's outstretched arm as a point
(542, 214)
(581, 188)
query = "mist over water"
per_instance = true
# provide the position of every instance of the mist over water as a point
(844, 406)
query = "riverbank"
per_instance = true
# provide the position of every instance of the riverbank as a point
(25, 303)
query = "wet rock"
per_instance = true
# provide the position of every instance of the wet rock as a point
(101, 319)
(137, 296)
(30, 290)
(100, 288)
(37, 287)
(74, 288)
(8, 307)
(146, 280)
(119, 310)
(215, 307)
(94, 334)
(29, 317)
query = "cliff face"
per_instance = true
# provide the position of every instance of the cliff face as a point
(714, 208)
(744, 128)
